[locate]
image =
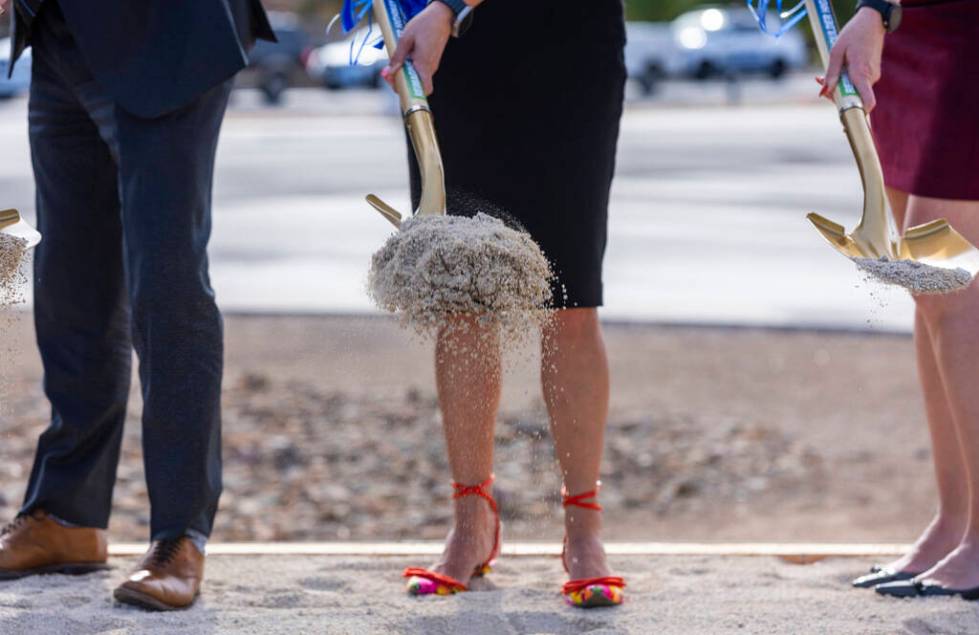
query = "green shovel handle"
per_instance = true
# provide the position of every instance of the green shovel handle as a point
(826, 31)
(392, 20)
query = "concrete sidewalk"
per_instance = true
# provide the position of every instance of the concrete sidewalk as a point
(347, 594)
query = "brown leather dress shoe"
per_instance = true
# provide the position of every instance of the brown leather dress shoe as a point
(35, 543)
(168, 578)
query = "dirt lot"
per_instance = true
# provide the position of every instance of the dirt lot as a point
(332, 432)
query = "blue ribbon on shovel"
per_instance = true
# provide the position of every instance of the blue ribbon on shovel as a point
(788, 19)
(353, 13)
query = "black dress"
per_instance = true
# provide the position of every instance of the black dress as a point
(527, 106)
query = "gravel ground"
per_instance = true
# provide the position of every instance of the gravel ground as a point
(332, 432)
(364, 596)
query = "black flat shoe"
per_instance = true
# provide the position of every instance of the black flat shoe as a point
(882, 575)
(913, 589)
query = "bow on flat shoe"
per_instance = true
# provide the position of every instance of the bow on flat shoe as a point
(883, 575)
(920, 589)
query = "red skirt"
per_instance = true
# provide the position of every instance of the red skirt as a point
(926, 123)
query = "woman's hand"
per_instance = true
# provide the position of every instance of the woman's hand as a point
(859, 49)
(423, 42)
(4, 6)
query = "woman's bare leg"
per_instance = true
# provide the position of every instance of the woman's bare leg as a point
(945, 531)
(953, 325)
(575, 377)
(467, 364)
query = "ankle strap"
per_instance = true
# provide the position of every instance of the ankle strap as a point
(461, 491)
(582, 500)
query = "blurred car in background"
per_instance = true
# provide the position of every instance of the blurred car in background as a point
(709, 42)
(20, 83)
(647, 49)
(717, 41)
(350, 63)
(274, 66)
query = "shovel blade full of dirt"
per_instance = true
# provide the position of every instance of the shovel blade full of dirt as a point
(936, 244)
(418, 121)
(12, 224)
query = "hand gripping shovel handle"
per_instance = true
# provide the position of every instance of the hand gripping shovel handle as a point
(391, 18)
(826, 32)
(417, 116)
(874, 228)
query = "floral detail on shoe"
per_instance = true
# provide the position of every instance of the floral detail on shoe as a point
(425, 582)
(593, 593)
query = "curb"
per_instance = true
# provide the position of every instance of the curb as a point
(795, 552)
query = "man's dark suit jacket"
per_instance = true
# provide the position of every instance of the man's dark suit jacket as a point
(154, 56)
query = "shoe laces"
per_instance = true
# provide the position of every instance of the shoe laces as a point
(165, 550)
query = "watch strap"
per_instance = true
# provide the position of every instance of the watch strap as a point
(463, 15)
(884, 8)
(457, 6)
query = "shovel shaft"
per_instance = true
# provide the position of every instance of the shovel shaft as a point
(417, 115)
(872, 235)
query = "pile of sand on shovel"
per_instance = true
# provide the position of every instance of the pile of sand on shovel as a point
(440, 267)
(917, 277)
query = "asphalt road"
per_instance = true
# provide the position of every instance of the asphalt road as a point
(707, 213)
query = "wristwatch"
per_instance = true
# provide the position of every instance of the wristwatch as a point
(463, 13)
(889, 12)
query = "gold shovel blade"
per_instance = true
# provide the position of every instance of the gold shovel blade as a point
(12, 224)
(854, 244)
(939, 245)
(936, 244)
(392, 215)
(837, 236)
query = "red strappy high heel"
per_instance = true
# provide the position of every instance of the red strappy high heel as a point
(589, 593)
(425, 582)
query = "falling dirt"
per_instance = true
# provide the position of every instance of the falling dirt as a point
(12, 276)
(13, 281)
